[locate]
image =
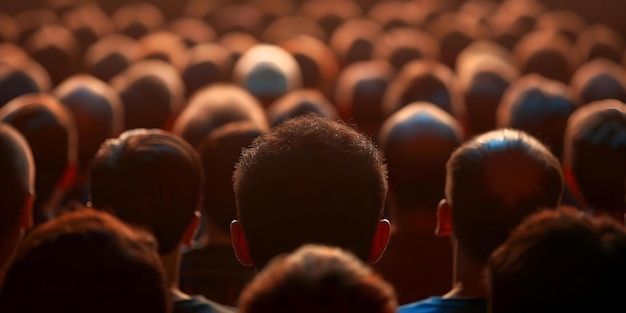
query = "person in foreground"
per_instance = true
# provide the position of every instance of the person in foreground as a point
(153, 179)
(85, 261)
(318, 278)
(560, 261)
(493, 182)
(309, 180)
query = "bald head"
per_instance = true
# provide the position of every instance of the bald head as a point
(493, 182)
(417, 141)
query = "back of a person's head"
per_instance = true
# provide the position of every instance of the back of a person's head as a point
(547, 53)
(599, 79)
(600, 41)
(403, 45)
(359, 94)
(219, 152)
(111, 55)
(493, 182)
(21, 77)
(417, 142)
(560, 261)
(57, 50)
(300, 102)
(540, 107)
(49, 129)
(16, 182)
(318, 279)
(215, 106)
(208, 63)
(85, 260)
(97, 110)
(267, 72)
(595, 154)
(149, 178)
(425, 80)
(152, 93)
(353, 41)
(302, 181)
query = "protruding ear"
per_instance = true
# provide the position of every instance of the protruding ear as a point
(240, 244)
(26, 215)
(190, 232)
(381, 239)
(444, 219)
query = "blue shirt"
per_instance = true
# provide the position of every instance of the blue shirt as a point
(448, 305)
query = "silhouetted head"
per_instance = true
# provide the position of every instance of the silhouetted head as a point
(309, 180)
(193, 31)
(493, 182)
(152, 179)
(417, 142)
(17, 189)
(560, 261)
(86, 259)
(286, 27)
(111, 55)
(330, 14)
(50, 132)
(219, 152)
(88, 23)
(318, 278)
(600, 41)
(31, 20)
(208, 64)
(19, 75)
(397, 14)
(455, 32)
(547, 53)
(564, 22)
(300, 102)
(403, 45)
(513, 20)
(540, 107)
(359, 94)
(267, 72)
(594, 154)
(241, 16)
(98, 113)
(137, 19)
(215, 106)
(599, 79)
(57, 50)
(425, 80)
(165, 46)
(9, 29)
(152, 92)
(237, 43)
(353, 41)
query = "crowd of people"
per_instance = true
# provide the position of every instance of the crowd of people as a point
(311, 156)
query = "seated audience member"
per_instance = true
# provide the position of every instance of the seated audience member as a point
(19, 75)
(397, 14)
(98, 115)
(403, 45)
(318, 279)
(493, 182)
(425, 80)
(153, 179)
(216, 106)
(17, 187)
(85, 260)
(242, 16)
(237, 43)
(208, 64)
(330, 14)
(88, 23)
(193, 31)
(152, 92)
(300, 102)
(600, 41)
(564, 22)
(560, 261)
(213, 270)
(318, 64)
(416, 142)
(30, 20)
(268, 72)
(455, 32)
(289, 26)
(594, 157)
(546, 53)
(353, 41)
(111, 55)
(540, 107)
(49, 129)
(136, 20)
(165, 46)
(309, 180)
(597, 80)
(485, 71)
(359, 94)
(513, 19)
(57, 50)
